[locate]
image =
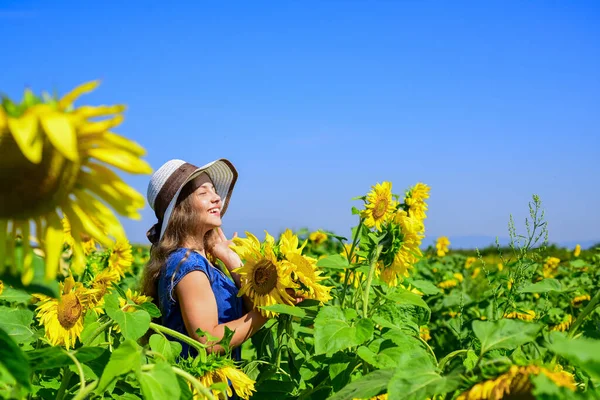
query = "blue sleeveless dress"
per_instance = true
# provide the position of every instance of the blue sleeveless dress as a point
(229, 305)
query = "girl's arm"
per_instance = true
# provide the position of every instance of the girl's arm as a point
(199, 310)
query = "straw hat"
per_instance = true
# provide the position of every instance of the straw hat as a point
(166, 184)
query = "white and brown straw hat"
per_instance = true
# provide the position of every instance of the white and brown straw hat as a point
(166, 184)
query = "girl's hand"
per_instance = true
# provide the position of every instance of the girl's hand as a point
(296, 295)
(219, 247)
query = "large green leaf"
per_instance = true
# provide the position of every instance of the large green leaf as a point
(56, 357)
(417, 385)
(335, 261)
(504, 334)
(334, 331)
(366, 386)
(14, 360)
(159, 383)
(125, 358)
(424, 286)
(543, 286)
(583, 352)
(16, 322)
(15, 296)
(165, 347)
(133, 324)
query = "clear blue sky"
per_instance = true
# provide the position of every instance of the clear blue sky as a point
(315, 101)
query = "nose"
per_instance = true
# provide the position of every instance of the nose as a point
(216, 198)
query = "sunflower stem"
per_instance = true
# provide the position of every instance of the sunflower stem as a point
(82, 394)
(67, 373)
(98, 331)
(162, 329)
(350, 256)
(374, 259)
(79, 369)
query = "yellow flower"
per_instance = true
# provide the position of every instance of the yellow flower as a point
(135, 297)
(564, 325)
(424, 333)
(306, 274)
(68, 238)
(101, 282)
(516, 383)
(1, 287)
(577, 251)
(448, 284)
(53, 157)
(121, 258)
(550, 267)
(263, 277)
(442, 246)
(62, 318)
(379, 206)
(470, 261)
(288, 243)
(578, 300)
(526, 316)
(354, 278)
(415, 200)
(500, 267)
(510, 283)
(459, 277)
(241, 383)
(89, 246)
(346, 251)
(476, 272)
(317, 237)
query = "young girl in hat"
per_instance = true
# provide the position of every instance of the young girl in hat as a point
(190, 292)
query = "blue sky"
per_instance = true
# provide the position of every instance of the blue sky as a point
(315, 101)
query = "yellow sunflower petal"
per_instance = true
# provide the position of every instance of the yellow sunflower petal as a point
(70, 97)
(98, 111)
(91, 128)
(122, 160)
(27, 271)
(61, 134)
(26, 135)
(54, 244)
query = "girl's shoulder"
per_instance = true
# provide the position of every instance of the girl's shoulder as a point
(184, 260)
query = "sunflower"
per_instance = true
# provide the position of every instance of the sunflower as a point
(515, 383)
(307, 276)
(1, 287)
(101, 283)
(577, 251)
(448, 284)
(288, 242)
(578, 300)
(263, 277)
(240, 382)
(550, 267)
(441, 246)
(564, 325)
(470, 261)
(526, 316)
(317, 237)
(476, 272)
(424, 333)
(415, 200)
(121, 258)
(54, 161)
(63, 317)
(379, 205)
(135, 298)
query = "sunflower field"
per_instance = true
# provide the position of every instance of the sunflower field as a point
(381, 316)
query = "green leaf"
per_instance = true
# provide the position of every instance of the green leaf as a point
(470, 360)
(159, 383)
(56, 357)
(504, 334)
(286, 309)
(335, 261)
(170, 350)
(583, 352)
(424, 286)
(543, 286)
(151, 309)
(209, 337)
(333, 331)
(125, 358)
(133, 324)
(14, 360)
(418, 385)
(403, 296)
(15, 296)
(366, 386)
(16, 323)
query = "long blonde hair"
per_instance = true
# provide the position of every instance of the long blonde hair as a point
(183, 224)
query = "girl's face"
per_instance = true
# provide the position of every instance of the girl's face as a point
(207, 202)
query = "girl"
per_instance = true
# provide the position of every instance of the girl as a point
(190, 292)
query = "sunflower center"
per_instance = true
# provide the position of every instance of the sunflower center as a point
(69, 310)
(31, 189)
(380, 208)
(264, 277)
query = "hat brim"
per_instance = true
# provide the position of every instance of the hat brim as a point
(223, 176)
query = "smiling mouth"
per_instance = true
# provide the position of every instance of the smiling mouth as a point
(214, 211)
